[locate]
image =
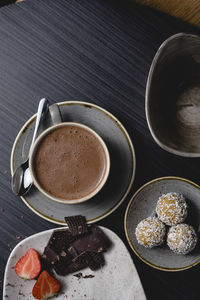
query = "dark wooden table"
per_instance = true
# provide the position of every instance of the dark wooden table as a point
(98, 51)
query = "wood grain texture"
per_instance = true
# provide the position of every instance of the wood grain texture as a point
(188, 10)
(98, 51)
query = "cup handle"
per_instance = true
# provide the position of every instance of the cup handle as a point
(55, 114)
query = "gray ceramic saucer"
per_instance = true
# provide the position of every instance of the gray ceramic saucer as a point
(143, 204)
(122, 164)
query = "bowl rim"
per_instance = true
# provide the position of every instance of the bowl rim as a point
(33, 151)
(126, 230)
(147, 96)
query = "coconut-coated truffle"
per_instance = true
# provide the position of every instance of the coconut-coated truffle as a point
(171, 208)
(181, 238)
(150, 232)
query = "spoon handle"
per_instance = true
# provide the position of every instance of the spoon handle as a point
(42, 109)
(55, 114)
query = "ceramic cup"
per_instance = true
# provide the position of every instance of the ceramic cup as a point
(58, 123)
(173, 93)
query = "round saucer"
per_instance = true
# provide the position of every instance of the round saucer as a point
(143, 205)
(122, 169)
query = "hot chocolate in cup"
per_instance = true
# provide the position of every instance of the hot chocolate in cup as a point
(69, 162)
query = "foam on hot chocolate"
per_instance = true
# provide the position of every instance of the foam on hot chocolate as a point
(70, 162)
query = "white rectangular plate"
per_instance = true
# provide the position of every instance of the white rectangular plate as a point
(117, 280)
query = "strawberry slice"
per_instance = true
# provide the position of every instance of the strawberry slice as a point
(29, 265)
(46, 286)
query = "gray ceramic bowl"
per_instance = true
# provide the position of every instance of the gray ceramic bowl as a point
(173, 95)
(143, 204)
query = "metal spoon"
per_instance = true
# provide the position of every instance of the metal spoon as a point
(21, 180)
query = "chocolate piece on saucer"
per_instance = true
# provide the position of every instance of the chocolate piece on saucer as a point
(95, 241)
(77, 225)
(59, 240)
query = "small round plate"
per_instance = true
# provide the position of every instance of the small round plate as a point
(122, 170)
(143, 204)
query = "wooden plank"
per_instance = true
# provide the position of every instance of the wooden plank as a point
(187, 10)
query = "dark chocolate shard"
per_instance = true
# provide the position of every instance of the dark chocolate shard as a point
(45, 265)
(59, 240)
(96, 261)
(50, 255)
(78, 263)
(74, 267)
(95, 241)
(88, 276)
(72, 251)
(77, 225)
(78, 275)
(90, 259)
(61, 266)
(82, 259)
